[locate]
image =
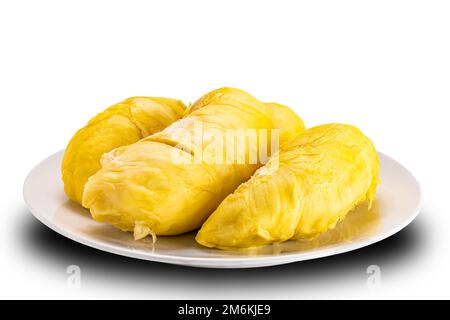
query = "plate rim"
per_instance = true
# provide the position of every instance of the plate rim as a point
(225, 262)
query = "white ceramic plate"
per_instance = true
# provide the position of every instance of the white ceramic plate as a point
(398, 203)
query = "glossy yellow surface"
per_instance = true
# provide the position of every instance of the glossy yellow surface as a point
(169, 183)
(317, 179)
(119, 125)
(287, 121)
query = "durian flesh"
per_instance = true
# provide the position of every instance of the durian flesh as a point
(140, 188)
(286, 121)
(119, 125)
(316, 179)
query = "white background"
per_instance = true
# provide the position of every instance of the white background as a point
(381, 65)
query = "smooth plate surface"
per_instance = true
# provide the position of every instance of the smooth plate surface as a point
(398, 203)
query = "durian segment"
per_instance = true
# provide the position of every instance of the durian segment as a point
(144, 191)
(287, 121)
(166, 184)
(121, 124)
(316, 179)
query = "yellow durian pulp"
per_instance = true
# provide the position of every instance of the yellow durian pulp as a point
(121, 124)
(287, 121)
(316, 179)
(160, 185)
